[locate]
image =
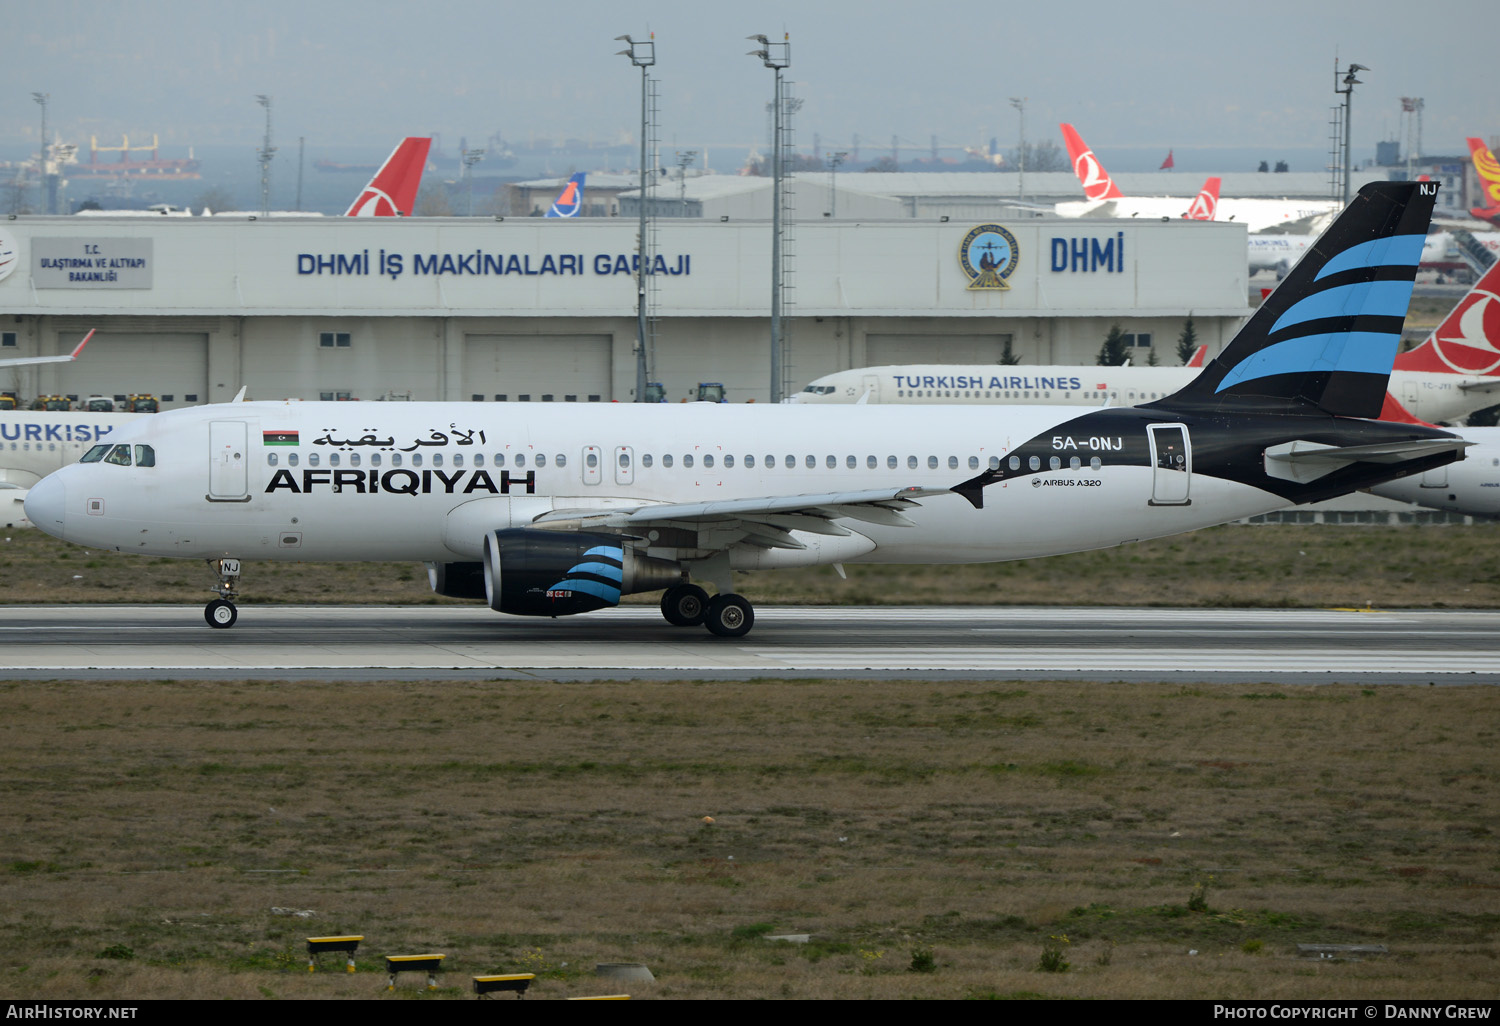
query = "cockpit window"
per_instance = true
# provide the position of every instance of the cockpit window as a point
(819, 389)
(95, 454)
(145, 456)
(119, 455)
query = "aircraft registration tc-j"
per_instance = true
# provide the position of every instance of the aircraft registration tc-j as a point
(549, 511)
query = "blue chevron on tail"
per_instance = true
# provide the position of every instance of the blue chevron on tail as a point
(1328, 336)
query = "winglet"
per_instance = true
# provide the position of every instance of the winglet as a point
(79, 348)
(1199, 355)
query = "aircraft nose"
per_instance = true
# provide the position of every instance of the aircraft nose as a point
(46, 503)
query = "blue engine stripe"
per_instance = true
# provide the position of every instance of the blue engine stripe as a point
(1404, 250)
(1365, 352)
(1367, 298)
(595, 588)
(607, 551)
(605, 570)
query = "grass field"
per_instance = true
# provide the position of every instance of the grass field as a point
(936, 840)
(1419, 566)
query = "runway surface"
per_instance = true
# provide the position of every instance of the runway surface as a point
(921, 642)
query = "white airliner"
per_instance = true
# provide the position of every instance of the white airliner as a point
(1104, 199)
(545, 514)
(1453, 373)
(1470, 486)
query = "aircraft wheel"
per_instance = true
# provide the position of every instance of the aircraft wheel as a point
(220, 613)
(684, 605)
(729, 616)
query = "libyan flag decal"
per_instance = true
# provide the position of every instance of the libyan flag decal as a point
(280, 438)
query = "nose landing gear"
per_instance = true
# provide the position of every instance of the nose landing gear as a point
(221, 612)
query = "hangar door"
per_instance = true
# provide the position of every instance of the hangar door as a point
(881, 350)
(537, 368)
(119, 363)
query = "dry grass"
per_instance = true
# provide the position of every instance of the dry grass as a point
(546, 827)
(1236, 566)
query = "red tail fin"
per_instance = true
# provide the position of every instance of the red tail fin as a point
(1489, 179)
(1393, 411)
(393, 190)
(1206, 206)
(1097, 185)
(1468, 340)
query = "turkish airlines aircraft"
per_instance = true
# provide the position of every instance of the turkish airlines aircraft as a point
(1453, 373)
(393, 190)
(1104, 199)
(545, 514)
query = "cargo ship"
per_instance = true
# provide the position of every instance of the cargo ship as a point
(125, 167)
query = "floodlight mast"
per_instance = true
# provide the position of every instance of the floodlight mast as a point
(642, 53)
(777, 57)
(1349, 82)
(267, 151)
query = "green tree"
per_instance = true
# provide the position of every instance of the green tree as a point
(1007, 357)
(1187, 342)
(1114, 352)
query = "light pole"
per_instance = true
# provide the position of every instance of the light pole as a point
(1019, 102)
(777, 57)
(834, 160)
(685, 160)
(49, 189)
(470, 158)
(642, 54)
(266, 152)
(1347, 92)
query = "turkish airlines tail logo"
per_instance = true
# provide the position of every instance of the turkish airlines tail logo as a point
(1489, 178)
(571, 201)
(1206, 206)
(393, 190)
(1097, 185)
(1468, 340)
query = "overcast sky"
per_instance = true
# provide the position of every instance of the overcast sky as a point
(360, 73)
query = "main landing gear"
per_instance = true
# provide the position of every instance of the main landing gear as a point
(221, 612)
(728, 616)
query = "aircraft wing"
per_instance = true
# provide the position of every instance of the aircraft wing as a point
(26, 361)
(766, 522)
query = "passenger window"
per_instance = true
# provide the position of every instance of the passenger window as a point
(271, 460)
(592, 460)
(312, 459)
(624, 461)
(973, 462)
(1074, 463)
(520, 459)
(994, 462)
(871, 462)
(708, 460)
(911, 463)
(646, 460)
(333, 459)
(1035, 463)
(561, 460)
(890, 462)
(354, 459)
(810, 460)
(458, 459)
(831, 462)
(291, 459)
(94, 455)
(749, 462)
(953, 462)
(540, 460)
(1015, 463)
(729, 462)
(437, 459)
(498, 461)
(687, 459)
(395, 459)
(478, 459)
(850, 462)
(119, 456)
(375, 459)
(791, 461)
(666, 460)
(416, 459)
(1053, 463)
(932, 463)
(1095, 463)
(145, 456)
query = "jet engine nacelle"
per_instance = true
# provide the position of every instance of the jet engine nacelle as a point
(551, 573)
(457, 580)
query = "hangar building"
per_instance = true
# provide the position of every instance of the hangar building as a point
(487, 309)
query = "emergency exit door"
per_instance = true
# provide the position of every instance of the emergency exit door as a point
(1171, 463)
(228, 476)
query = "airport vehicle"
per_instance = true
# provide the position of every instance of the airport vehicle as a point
(547, 515)
(1104, 199)
(393, 190)
(1453, 373)
(98, 404)
(570, 201)
(142, 404)
(710, 392)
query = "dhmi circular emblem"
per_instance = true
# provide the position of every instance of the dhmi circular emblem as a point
(9, 253)
(988, 256)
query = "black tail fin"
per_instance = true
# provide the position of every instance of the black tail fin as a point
(1327, 336)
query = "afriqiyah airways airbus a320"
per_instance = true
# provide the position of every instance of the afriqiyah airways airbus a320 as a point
(546, 514)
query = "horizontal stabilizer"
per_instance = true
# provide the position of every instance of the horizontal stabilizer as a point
(1303, 461)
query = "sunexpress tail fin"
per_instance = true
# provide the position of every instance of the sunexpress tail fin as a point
(1326, 338)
